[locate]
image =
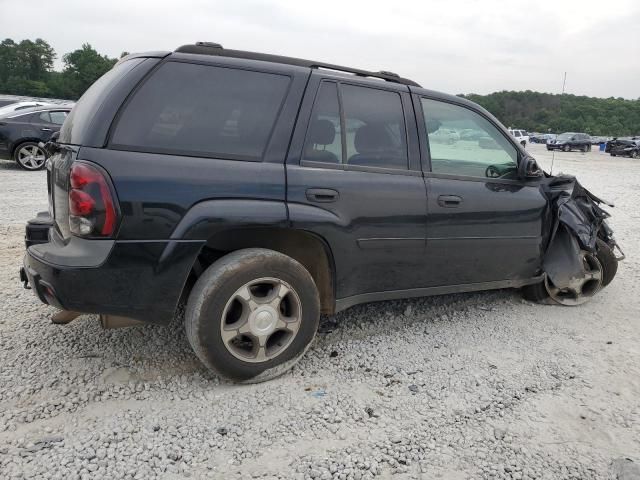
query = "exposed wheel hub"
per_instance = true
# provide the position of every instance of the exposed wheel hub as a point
(263, 320)
(581, 288)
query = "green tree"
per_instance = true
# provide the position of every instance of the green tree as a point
(83, 67)
(25, 66)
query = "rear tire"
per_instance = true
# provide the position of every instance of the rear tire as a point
(566, 148)
(236, 320)
(30, 156)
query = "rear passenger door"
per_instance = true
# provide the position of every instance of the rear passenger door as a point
(353, 178)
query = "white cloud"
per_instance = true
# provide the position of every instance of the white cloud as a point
(461, 46)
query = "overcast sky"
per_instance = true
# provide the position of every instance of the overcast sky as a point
(454, 46)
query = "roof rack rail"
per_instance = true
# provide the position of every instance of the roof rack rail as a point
(211, 48)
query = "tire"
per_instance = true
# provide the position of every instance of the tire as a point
(607, 259)
(634, 154)
(566, 148)
(538, 292)
(588, 148)
(30, 156)
(215, 298)
(585, 149)
(612, 154)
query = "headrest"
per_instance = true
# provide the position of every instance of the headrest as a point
(372, 138)
(322, 132)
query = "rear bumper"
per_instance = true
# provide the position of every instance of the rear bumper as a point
(141, 280)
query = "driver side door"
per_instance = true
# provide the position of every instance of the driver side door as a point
(484, 224)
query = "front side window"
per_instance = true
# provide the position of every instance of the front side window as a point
(486, 154)
(203, 110)
(44, 117)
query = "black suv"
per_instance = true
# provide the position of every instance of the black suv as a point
(263, 191)
(570, 141)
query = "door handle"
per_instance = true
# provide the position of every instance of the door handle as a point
(45, 129)
(322, 195)
(449, 201)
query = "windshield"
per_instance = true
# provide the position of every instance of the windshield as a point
(565, 136)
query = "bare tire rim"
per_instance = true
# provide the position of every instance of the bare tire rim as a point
(31, 157)
(581, 289)
(261, 319)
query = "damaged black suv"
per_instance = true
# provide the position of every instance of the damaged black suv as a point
(262, 191)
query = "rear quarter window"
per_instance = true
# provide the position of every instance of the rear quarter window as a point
(202, 110)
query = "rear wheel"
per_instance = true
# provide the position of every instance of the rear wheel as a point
(252, 314)
(30, 156)
(566, 148)
(585, 148)
(634, 154)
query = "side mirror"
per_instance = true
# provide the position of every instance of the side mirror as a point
(528, 168)
(573, 138)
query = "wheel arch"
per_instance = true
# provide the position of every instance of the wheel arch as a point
(311, 250)
(21, 142)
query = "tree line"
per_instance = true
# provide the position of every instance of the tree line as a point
(543, 112)
(26, 68)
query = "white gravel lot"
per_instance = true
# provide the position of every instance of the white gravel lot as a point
(481, 385)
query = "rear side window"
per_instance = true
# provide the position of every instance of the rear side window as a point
(58, 117)
(373, 128)
(202, 110)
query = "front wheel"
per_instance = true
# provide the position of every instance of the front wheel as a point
(598, 272)
(252, 314)
(566, 148)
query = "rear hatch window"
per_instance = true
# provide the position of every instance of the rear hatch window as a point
(76, 127)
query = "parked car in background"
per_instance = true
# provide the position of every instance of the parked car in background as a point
(597, 139)
(21, 132)
(17, 106)
(521, 136)
(471, 134)
(541, 137)
(444, 135)
(624, 148)
(570, 141)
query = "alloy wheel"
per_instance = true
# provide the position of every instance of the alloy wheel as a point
(31, 157)
(261, 319)
(582, 288)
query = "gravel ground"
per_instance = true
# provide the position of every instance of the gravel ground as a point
(482, 385)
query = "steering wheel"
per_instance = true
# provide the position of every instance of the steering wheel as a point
(492, 172)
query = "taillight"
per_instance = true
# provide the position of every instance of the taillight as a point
(92, 206)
